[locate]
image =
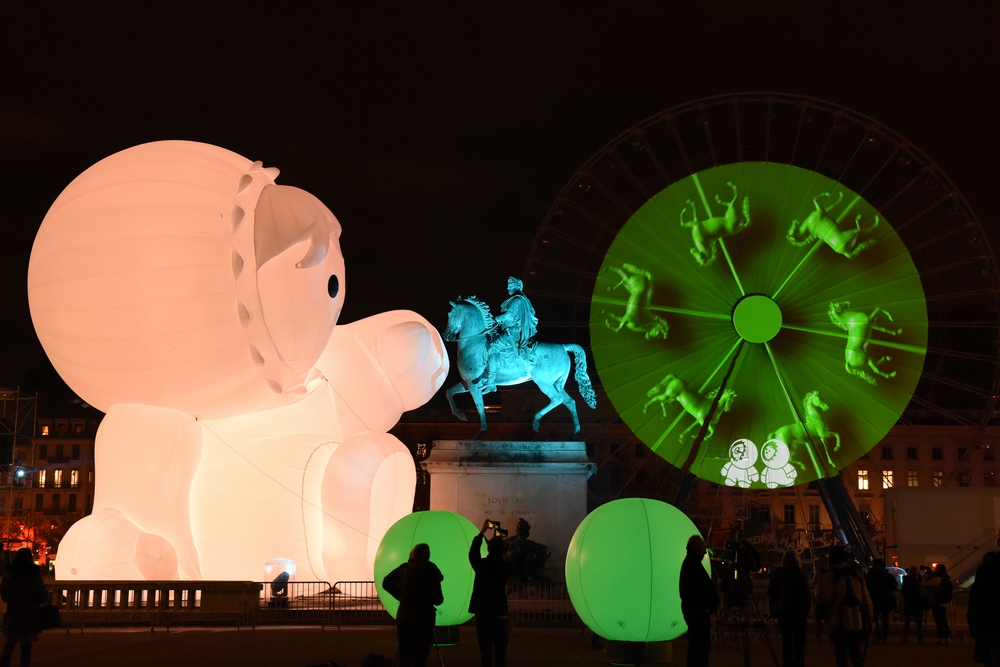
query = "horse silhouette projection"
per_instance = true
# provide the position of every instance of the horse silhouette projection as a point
(471, 325)
(814, 429)
(638, 315)
(706, 233)
(819, 225)
(671, 388)
(859, 327)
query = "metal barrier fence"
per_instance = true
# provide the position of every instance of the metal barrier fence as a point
(239, 603)
(245, 603)
(154, 603)
(248, 603)
(540, 604)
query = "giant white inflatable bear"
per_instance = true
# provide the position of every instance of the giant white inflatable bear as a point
(176, 287)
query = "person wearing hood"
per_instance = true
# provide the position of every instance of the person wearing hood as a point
(24, 592)
(417, 585)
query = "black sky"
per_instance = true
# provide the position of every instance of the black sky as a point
(439, 133)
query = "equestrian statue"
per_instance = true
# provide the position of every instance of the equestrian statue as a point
(495, 352)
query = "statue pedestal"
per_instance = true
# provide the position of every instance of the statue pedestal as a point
(543, 482)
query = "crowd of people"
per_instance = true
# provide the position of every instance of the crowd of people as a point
(856, 606)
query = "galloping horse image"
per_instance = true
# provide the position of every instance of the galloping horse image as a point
(638, 317)
(672, 388)
(819, 225)
(471, 325)
(704, 234)
(798, 435)
(859, 327)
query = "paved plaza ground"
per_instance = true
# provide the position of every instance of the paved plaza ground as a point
(302, 647)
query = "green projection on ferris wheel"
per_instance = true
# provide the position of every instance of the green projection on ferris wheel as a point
(775, 294)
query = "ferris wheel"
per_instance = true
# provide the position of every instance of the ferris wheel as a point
(768, 283)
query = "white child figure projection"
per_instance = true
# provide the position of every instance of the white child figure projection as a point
(177, 287)
(777, 471)
(740, 470)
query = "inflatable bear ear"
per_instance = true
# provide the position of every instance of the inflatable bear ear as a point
(143, 283)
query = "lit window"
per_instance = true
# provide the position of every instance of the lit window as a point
(862, 480)
(938, 478)
(45, 429)
(911, 478)
(41, 479)
(90, 477)
(74, 478)
(886, 479)
(56, 479)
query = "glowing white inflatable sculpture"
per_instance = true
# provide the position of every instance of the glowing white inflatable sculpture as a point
(175, 286)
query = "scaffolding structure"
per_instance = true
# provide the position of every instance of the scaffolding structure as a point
(18, 423)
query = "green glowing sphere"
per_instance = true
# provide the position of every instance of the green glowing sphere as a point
(623, 569)
(449, 536)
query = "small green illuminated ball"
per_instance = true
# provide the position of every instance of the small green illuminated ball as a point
(449, 536)
(623, 570)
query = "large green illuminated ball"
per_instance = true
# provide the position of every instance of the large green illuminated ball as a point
(449, 536)
(623, 569)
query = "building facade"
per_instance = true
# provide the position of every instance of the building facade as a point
(50, 485)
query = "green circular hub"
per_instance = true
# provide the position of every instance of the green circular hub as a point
(757, 318)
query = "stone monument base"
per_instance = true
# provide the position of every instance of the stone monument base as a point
(545, 483)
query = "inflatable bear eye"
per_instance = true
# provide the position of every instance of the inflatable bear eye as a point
(333, 286)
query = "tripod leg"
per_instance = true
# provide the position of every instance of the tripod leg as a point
(437, 648)
(755, 610)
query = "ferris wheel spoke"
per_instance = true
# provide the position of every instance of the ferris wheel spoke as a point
(693, 313)
(726, 358)
(820, 469)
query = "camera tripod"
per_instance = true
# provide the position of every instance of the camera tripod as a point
(739, 614)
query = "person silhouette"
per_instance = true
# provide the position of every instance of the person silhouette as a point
(24, 592)
(417, 585)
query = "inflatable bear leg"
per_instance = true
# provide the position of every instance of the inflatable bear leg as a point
(106, 545)
(368, 485)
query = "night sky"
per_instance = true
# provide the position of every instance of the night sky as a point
(439, 133)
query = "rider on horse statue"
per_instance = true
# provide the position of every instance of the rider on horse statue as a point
(517, 326)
